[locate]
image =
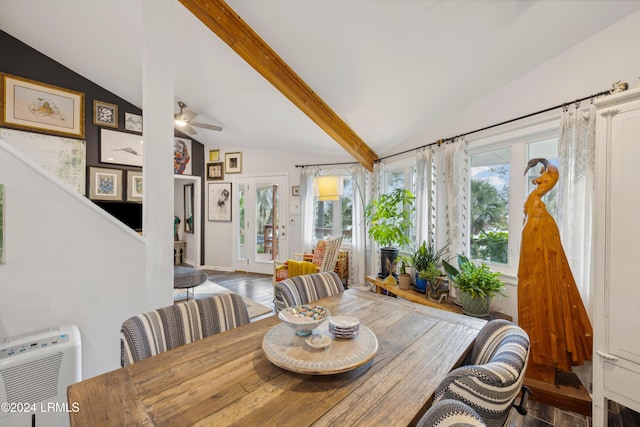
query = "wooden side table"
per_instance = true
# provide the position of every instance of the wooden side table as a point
(420, 298)
(342, 268)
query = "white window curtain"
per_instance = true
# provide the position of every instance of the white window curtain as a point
(455, 178)
(307, 206)
(377, 188)
(359, 238)
(425, 196)
(576, 153)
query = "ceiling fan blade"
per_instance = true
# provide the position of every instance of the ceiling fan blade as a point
(205, 126)
(189, 115)
(186, 129)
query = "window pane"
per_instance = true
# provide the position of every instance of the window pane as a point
(547, 149)
(395, 179)
(490, 206)
(346, 202)
(323, 220)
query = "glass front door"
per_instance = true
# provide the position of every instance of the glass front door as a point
(261, 233)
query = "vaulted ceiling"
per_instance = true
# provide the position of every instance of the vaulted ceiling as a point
(389, 69)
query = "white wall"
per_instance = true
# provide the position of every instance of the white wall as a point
(66, 262)
(219, 235)
(588, 68)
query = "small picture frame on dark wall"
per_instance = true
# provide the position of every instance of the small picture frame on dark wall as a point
(105, 114)
(105, 184)
(233, 163)
(215, 171)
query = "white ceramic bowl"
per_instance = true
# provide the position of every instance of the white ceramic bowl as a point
(318, 341)
(304, 318)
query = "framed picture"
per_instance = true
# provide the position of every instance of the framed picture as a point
(134, 186)
(215, 171)
(182, 156)
(214, 155)
(120, 148)
(105, 114)
(233, 163)
(219, 201)
(105, 184)
(295, 190)
(133, 122)
(40, 107)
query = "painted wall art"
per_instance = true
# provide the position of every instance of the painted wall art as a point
(220, 201)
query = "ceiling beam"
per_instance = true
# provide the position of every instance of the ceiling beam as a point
(226, 24)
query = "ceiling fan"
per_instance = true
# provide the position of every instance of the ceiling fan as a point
(183, 121)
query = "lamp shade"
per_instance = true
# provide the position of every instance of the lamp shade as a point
(328, 187)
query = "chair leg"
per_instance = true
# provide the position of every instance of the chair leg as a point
(522, 406)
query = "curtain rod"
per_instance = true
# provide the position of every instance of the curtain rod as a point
(328, 164)
(451, 139)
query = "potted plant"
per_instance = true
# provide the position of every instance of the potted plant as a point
(404, 278)
(389, 219)
(422, 258)
(477, 285)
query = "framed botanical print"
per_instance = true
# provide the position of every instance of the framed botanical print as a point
(41, 107)
(215, 171)
(105, 184)
(233, 162)
(105, 114)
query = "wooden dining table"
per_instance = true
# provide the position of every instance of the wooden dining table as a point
(226, 379)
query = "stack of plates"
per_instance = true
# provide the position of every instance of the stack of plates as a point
(344, 326)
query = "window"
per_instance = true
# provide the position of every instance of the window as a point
(335, 217)
(403, 175)
(489, 210)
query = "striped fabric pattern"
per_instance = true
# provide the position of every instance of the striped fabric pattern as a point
(156, 331)
(305, 289)
(493, 374)
(450, 412)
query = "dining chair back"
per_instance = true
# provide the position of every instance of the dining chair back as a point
(307, 288)
(449, 412)
(163, 329)
(492, 375)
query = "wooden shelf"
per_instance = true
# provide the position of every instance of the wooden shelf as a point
(420, 298)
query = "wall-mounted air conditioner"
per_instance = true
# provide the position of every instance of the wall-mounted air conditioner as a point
(35, 370)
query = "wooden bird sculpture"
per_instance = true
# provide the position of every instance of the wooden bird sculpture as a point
(550, 308)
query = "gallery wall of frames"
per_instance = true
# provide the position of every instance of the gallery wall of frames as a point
(47, 104)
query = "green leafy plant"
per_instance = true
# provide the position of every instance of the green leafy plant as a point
(405, 262)
(432, 273)
(425, 255)
(389, 218)
(475, 279)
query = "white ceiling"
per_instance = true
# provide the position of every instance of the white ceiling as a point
(389, 68)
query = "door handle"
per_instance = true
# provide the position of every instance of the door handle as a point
(607, 356)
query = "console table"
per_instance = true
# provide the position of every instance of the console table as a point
(420, 298)
(179, 251)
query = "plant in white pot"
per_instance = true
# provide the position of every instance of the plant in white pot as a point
(404, 277)
(389, 219)
(476, 284)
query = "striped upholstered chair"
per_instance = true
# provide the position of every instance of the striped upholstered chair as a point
(166, 328)
(492, 375)
(449, 412)
(305, 289)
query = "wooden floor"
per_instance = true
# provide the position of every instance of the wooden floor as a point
(259, 288)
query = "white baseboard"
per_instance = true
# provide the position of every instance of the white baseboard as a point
(213, 267)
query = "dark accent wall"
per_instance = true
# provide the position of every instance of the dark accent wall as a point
(21, 60)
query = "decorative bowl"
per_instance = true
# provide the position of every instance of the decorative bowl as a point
(318, 341)
(304, 318)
